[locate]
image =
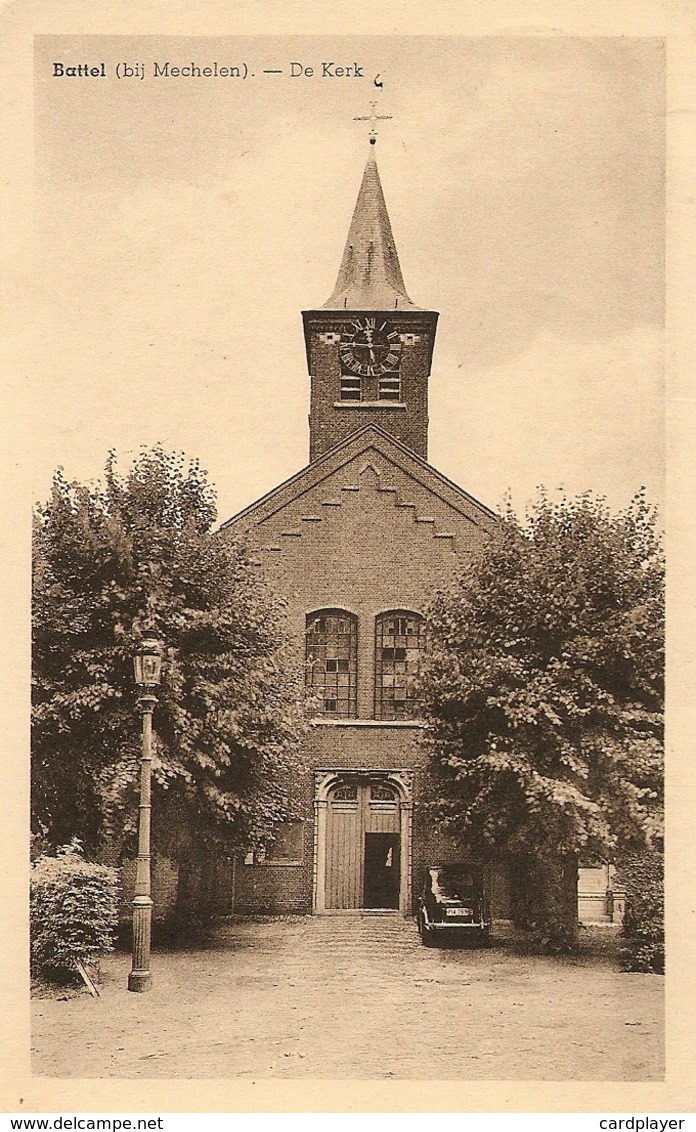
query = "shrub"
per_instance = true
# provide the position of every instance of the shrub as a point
(643, 931)
(74, 911)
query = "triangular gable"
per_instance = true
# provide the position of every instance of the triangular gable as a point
(371, 437)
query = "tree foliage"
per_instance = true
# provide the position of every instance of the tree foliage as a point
(643, 928)
(543, 685)
(134, 554)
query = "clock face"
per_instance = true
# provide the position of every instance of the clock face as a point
(370, 347)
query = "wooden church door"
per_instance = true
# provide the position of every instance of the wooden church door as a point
(362, 846)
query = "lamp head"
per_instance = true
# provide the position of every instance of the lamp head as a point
(147, 662)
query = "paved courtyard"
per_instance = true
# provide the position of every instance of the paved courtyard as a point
(356, 997)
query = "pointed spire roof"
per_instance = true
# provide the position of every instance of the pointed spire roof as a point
(370, 275)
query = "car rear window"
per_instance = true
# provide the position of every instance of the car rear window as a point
(453, 884)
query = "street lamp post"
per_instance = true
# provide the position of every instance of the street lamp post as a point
(148, 665)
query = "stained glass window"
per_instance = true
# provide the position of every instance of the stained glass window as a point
(331, 662)
(399, 638)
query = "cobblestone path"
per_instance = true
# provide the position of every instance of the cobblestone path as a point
(356, 997)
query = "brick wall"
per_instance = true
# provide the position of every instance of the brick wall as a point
(331, 421)
(164, 887)
(363, 542)
(346, 745)
(367, 537)
(267, 888)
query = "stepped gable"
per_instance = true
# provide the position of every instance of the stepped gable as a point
(352, 506)
(369, 462)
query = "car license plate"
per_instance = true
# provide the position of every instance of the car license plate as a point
(460, 911)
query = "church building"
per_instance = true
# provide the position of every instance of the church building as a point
(356, 542)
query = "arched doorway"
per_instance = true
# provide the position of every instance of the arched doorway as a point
(362, 858)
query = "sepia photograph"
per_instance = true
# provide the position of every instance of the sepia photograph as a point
(348, 484)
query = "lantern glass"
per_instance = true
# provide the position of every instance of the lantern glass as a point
(148, 664)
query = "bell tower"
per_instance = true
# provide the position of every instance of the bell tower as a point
(369, 348)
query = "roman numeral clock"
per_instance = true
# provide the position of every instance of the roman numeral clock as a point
(370, 353)
(369, 348)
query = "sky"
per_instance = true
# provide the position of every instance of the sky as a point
(184, 223)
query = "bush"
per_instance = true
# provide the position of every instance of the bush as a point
(643, 931)
(74, 911)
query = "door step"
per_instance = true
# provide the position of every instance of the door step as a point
(361, 912)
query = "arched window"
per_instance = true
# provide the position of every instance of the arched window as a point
(331, 661)
(399, 637)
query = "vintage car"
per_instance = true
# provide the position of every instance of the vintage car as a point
(454, 905)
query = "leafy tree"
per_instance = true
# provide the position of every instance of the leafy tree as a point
(111, 561)
(543, 691)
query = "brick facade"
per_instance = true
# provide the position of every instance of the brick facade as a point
(332, 420)
(367, 529)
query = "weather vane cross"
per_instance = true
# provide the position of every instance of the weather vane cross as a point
(373, 118)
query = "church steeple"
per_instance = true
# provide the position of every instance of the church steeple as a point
(369, 348)
(370, 276)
